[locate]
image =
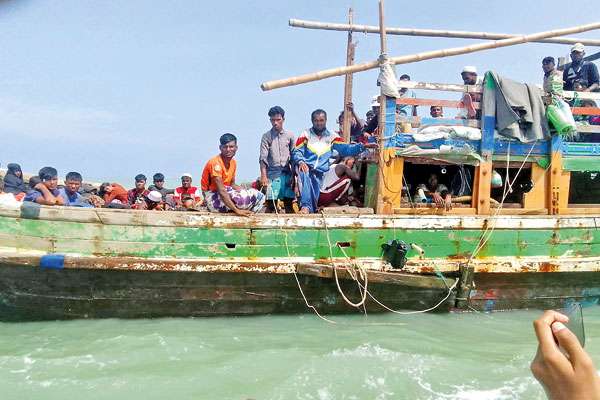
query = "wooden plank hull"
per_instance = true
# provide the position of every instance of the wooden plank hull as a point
(32, 293)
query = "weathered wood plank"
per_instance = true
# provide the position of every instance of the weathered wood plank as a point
(434, 102)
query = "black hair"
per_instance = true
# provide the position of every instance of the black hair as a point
(405, 77)
(13, 167)
(34, 180)
(547, 60)
(74, 176)
(318, 111)
(226, 138)
(140, 177)
(158, 177)
(47, 173)
(273, 111)
(102, 188)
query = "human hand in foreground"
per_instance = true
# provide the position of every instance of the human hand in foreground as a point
(572, 376)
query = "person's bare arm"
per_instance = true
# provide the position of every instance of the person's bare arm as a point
(570, 376)
(47, 198)
(226, 199)
(593, 87)
(263, 175)
(360, 123)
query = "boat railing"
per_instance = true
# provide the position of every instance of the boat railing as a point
(548, 164)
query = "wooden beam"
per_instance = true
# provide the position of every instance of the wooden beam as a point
(447, 87)
(380, 206)
(536, 197)
(298, 23)
(435, 102)
(427, 55)
(585, 110)
(350, 47)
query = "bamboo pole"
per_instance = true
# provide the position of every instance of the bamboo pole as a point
(346, 123)
(428, 55)
(298, 23)
(380, 204)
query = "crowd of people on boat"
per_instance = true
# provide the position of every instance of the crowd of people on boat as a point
(297, 174)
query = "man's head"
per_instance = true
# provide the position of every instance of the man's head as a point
(186, 180)
(159, 180)
(370, 115)
(140, 182)
(154, 196)
(277, 116)
(469, 75)
(73, 182)
(106, 187)
(577, 53)
(548, 64)
(432, 182)
(319, 120)
(14, 169)
(49, 177)
(404, 77)
(349, 161)
(228, 146)
(436, 111)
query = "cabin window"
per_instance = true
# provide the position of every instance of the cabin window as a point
(417, 187)
(584, 189)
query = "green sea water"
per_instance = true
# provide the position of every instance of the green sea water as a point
(425, 356)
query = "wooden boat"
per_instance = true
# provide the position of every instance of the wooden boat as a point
(542, 251)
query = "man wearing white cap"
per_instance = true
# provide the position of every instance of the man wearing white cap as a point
(154, 201)
(469, 77)
(373, 123)
(583, 71)
(186, 188)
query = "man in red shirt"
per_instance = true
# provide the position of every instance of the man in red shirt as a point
(186, 188)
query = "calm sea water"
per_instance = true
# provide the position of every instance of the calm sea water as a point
(453, 356)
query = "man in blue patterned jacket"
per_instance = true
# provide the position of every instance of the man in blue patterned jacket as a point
(311, 157)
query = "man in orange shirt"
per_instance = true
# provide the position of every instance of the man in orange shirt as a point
(218, 183)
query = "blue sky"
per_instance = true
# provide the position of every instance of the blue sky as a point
(114, 88)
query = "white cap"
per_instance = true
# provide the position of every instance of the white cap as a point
(470, 69)
(154, 196)
(579, 47)
(186, 174)
(375, 101)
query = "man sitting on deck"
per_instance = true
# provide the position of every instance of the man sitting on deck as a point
(114, 195)
(311, 158)
(159, 185)
(135, 196)
(70, 193)
(274, 159)
(337, 182)
(187, 189)
(218, 183)
(45, 191)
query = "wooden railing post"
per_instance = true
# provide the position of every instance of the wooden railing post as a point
(389, 177)
(483, 173)
(559, 180)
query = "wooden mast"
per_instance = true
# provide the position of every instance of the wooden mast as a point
(380, 205)
(431, 32)
(348, 82)
(428, 55)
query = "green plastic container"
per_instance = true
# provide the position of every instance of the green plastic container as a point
(560, 116)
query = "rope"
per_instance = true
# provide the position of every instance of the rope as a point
(287, 247)
(507, 189)
(350, 271)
